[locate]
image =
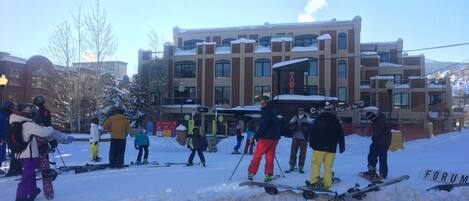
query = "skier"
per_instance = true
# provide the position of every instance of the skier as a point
(250, 142)
(44, 146)
(196, 143)
(142, 143)
(94, 139)
(29, 157)
(239, 140)
(119, 126)
(326, 134)
(300, 124)
(267, 138)
(381, 140)
(5, 112)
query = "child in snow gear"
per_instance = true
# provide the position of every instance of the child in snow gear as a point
(196, 143)
(94, 140)
(250, 142)
(119, 126)
(267, 138)
(239, 140)
(326, 134)
(300, 124)
(29, 156)
(5, 112)
(381, 140)
(142, 143)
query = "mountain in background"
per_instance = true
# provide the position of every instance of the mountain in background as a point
(434, 65)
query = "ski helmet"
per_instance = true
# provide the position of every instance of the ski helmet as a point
(328, 106)
(39, 100)
(28, 110)
(8, 105)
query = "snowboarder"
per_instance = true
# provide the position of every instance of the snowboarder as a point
(196, 143)
(29, 156)
(300, 125)
(239, 140)
(381, 140)
(5, 112)
(250, 132)
(267, 138)
(142, 143)
(94, 139)
(119, 126)
(326, 134)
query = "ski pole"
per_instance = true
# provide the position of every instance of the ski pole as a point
(278, 164)
(57, 148)
(236, 166)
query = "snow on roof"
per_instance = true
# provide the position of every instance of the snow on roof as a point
(13, 59)
(324, 37)
(243, 40)
(281, 39)
(304, 98)
(223, 50)
(289, 62)
(167, 43)
(312, 47)
(369, 53)
(382, 78)
(370, 108)
(416, 77)
(262, 49)
(387, 64)
(181, 128)
(206, 43)
(182, 52)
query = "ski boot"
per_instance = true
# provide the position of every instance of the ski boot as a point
(292, 168)
(190, 164)
(138, 163)
(313, 185)
(300, 169)
(235, 152)
(251, 177)
(145, 162)
(203, 164)
(268, 178)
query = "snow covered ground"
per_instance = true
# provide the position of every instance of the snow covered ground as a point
(445, 152)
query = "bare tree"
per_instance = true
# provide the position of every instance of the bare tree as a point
(78, 20)
(153, 41)
(100, 40)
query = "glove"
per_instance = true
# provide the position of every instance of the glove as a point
(53, 144)
(342, 149)
(136, 147)
(69, 140)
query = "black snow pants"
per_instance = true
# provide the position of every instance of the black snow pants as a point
(378, 151)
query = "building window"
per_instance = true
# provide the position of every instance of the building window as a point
(342, 95)
(261, 91)
(311, 90)
(182, 96)
(265, 41)
(191, 44)
(38, 82)
(222, 95)
(342, 71)
(435, 98)
(227, 41)
(313, 67)
(15, 76)
(342, 41)
(305, 40)
(262, 68)
(222, 69)
(397, 78)
(184, 69)
(383, 57)
(401, 100)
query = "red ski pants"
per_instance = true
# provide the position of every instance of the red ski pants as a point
(266, 147)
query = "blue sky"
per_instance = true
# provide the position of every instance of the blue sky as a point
(27, 24)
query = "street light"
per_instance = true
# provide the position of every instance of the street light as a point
(3, 83)
(389, 86)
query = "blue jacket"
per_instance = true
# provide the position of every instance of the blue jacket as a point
(141, 140)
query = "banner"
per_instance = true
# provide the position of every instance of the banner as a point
(444, 177)
(165, 128)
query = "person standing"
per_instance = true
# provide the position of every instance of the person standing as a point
(196, 143)
(326, 134)
(94, 140)
(381, 140)
(239, 140)
(267, 138)
(119, 126)
(250, 132)
(5, 112)
(300, 124)
(141, 143)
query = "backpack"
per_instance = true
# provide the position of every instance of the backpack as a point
(15, 139)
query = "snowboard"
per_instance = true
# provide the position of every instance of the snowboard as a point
(307, 192)
(446, 187)
(373, 180)
(93, 167)
(152, 164)
(47, 187)
(359, 193)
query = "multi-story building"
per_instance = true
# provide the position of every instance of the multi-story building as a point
(115, 68)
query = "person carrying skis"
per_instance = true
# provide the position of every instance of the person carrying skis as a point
(381, 140)
(326, 134)
(29, 157)
(250, 142)
(119, 126)
(94, 139)
(5, 112)
(196, 143)
(239, 140)
(300, 124)
(267, 138)
(142, 143)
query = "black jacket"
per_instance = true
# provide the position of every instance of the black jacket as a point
(44, 117)
(381, 131)
(302, 125)
(198, 142)
(269, 126)
(326, 133)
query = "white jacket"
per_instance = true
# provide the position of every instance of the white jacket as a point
(94, 132)
(31, 129)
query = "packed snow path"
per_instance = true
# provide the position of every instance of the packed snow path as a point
(446, 152)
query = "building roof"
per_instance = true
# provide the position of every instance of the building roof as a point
(13, 59)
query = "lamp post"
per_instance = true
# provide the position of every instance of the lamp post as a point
(389, 86)
(3, 83)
